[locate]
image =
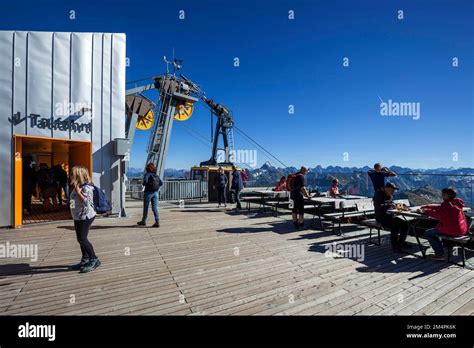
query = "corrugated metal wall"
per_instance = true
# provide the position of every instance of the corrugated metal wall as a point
(62, 76)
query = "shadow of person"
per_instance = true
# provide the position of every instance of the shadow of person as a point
(26, 269)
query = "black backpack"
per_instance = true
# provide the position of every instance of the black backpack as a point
(154, 183)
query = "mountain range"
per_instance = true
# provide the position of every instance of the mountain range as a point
(420, 186)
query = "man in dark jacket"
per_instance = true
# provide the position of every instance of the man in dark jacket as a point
(378, 175)
(237, 186)
(220, 183)
(298, 194)
(383, 201)
(61, 178)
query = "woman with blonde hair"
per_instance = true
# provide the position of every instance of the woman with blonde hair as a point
(83, 213)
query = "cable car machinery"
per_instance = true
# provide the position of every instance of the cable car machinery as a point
(177, 96)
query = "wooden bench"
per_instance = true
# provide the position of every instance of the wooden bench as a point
(350, 209)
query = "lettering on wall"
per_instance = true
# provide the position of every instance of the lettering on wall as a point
(36, 121)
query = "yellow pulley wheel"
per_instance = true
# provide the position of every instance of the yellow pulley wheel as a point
(146, 121)
(185, 111)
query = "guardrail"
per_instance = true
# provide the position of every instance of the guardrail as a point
(172, 190)
(419, 188)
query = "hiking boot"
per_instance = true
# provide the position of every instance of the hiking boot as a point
(90, 266)
(435, 257)
(79, 265)
(141, 223)
(156, 224)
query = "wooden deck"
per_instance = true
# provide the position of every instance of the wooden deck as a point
(204, 260)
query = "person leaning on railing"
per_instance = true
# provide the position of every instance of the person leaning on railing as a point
(452, 221)
(378, 175)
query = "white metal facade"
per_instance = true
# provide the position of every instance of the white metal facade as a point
(47, 78)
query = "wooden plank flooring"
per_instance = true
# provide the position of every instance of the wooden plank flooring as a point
(207, 261)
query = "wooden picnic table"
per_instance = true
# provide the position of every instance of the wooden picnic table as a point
(413, 217)
(334, 203)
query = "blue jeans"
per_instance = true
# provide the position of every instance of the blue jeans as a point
(153, 197)
(434, 237)
(236, 194)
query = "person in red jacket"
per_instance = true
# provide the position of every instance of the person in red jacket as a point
(452, 221)
(281, 184)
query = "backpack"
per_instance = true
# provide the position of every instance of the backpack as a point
(154, 183)
(289, 181)
(101, 203)
(46, 178)
(244, 175)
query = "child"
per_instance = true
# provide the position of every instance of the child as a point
(452, 221)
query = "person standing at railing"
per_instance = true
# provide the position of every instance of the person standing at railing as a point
(152, 184)
(220, 183)
(237, 186)
(378, 175)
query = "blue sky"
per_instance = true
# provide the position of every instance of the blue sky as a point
(299, 62)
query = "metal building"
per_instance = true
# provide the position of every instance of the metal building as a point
(61, 94)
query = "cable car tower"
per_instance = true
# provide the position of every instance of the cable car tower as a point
(177, 96)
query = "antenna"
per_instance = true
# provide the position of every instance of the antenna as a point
(177, 64)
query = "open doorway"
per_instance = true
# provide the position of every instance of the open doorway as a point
(41, 170)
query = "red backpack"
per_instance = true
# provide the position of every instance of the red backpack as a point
(289, 181)
(244, 175)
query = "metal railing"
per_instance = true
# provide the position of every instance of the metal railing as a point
(419, 188)
(172, 190)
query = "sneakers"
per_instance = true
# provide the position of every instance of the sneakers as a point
(90, 266)
(79, 265)
(141, 223)
(156, 224)
(435, 257)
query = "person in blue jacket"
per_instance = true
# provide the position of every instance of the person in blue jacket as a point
(152, 183)
(237, 186)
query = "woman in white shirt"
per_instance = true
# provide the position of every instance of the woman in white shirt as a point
(83, 213)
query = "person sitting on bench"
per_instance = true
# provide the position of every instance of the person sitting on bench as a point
(452, 221)
(334, 189)
(383, 201)
(281, 184)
